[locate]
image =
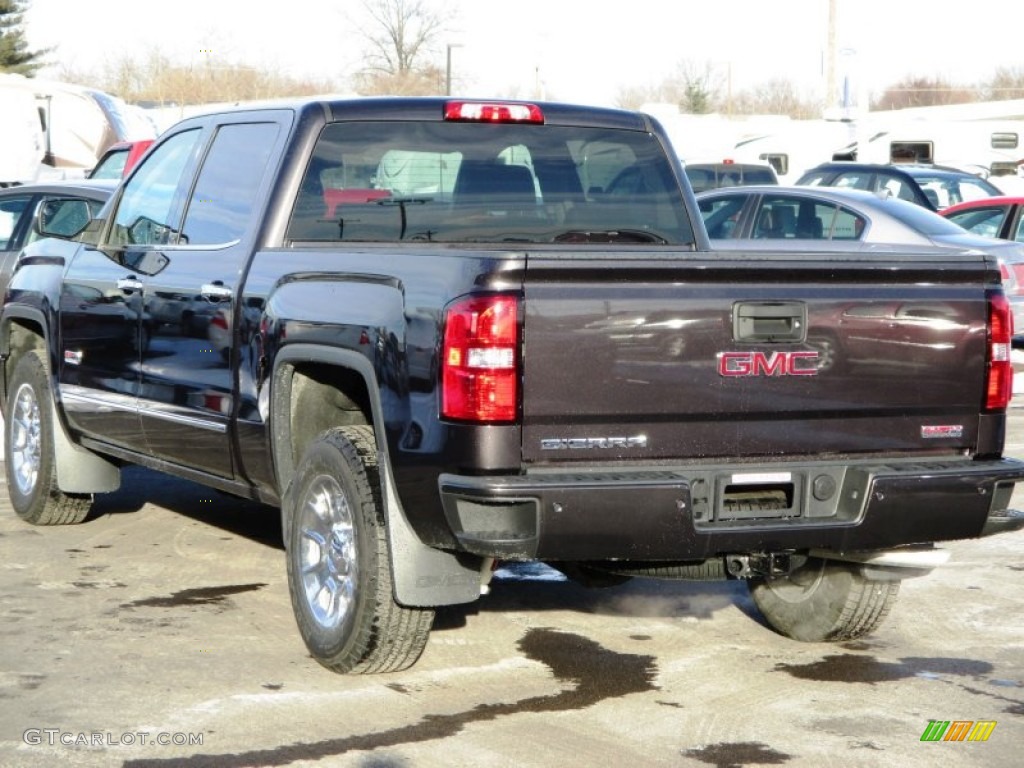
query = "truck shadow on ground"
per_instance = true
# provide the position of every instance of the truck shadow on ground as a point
(527, 586)
(241, 517)
(534, 587)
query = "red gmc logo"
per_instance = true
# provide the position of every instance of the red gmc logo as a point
(774, 364)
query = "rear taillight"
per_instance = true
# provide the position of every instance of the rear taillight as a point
(1009, 278)
(480, 372)
(999, 380)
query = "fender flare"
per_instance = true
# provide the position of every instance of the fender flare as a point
(422, 576)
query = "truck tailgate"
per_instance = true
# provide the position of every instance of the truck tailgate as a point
(703, 355)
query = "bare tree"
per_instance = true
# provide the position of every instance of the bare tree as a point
(775, 97)
(917, 91)
(402, 37)
(633, 97)
(157, 80)
(1006, 83)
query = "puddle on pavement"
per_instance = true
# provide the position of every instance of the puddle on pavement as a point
(589, 672)
(849, 668)
(195, 596)
(738, 754)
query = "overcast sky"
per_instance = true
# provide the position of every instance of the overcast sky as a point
(571, 50)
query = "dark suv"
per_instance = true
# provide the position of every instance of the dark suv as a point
(932, 186)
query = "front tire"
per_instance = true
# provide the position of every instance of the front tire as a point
(339, 570)
(824, 601)
(30, 464)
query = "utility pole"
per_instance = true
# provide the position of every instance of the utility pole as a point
(448, 69)
(831, 90)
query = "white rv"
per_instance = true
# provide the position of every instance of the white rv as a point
(72, 127)
(21, 132)
(798, 146)
(979, 146)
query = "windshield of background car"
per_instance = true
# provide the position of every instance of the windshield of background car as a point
(981, 221)
(488, 183)
(111, 166)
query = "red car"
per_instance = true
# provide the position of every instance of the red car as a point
(1001, 217)
(119, 159)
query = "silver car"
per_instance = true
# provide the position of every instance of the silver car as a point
(823, 219)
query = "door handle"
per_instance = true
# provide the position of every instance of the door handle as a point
(769, 321)
(129, 284)
(216, 291)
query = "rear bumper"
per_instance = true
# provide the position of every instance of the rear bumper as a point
(694, 513)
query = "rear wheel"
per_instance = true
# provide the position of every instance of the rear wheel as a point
(30, 465)
(825, 600)
(339, 574)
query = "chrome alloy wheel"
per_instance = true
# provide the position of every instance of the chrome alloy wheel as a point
(26, 440)
(328, 564)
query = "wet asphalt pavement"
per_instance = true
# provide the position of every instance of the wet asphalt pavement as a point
(159, 633)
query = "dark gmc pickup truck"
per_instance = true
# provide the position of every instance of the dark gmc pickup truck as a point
(443, 333)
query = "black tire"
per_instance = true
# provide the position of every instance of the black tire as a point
(339, 574)
(824, 601)
(29, 464)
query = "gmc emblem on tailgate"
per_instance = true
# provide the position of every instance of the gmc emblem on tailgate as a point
(773, 364)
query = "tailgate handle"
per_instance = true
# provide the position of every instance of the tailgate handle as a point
(769, 321)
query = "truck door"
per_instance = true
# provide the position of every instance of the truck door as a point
(101, 297)
(189, 313)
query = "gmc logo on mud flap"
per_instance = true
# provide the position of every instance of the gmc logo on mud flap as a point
(774, 364)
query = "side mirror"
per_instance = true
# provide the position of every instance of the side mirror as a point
(65, 218)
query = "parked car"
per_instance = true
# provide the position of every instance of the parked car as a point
(823, 219)
(52, 209)
(704, 176)
(930, 186)
(119, 158)
(992, 216)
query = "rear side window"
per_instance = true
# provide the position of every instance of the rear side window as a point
(488, 183)
(853, 180)
(796, 218)
(898, 187)
(222, 201)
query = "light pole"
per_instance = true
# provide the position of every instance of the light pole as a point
(448, 69)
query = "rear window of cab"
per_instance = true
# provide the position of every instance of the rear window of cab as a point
(466, 182)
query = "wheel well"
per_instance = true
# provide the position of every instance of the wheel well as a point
(23, 335)
(319, 397)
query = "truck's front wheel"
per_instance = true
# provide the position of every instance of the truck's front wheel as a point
(339, 572)
(825, 600)
(30, 463)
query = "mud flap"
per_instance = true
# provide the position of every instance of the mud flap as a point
(424, 576)
(80, 470)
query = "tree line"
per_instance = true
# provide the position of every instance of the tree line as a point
(402, 39)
